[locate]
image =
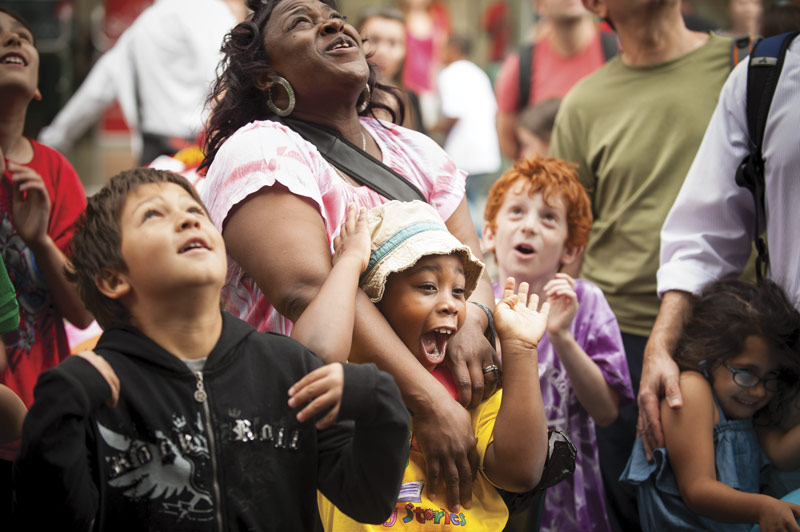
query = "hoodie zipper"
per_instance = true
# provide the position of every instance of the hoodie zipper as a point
(201, 396)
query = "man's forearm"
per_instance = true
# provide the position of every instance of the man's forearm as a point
(676, 306)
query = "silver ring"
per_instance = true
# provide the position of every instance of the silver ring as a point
(490, 368)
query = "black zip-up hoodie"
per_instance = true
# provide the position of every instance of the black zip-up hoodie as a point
(215, 450)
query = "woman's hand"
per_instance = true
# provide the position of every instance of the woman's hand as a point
(468, 352)
(322, 390)
(449, 451)
(516, 316)
(30, 204)
(560, 292)
(779, 516)
(353, 238)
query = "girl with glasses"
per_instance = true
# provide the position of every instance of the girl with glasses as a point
(738, 357)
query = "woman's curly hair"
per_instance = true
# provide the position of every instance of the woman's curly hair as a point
(722, 318)
(235, 98)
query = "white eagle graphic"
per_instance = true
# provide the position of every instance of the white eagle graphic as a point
(163, 475)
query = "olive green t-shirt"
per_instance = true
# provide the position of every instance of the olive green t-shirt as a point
(634, 132)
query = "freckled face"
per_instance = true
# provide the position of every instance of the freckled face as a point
(529, 240)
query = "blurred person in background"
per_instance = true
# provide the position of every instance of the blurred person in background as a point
(427, 31)
(383, 33)
(468, 111)
(160, 71)
(568, 47)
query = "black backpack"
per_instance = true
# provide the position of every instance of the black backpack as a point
(607, 40)
(763, 72)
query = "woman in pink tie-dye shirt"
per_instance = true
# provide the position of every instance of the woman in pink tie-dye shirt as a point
(279, 204)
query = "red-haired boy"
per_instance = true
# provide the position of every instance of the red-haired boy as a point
(537, 221)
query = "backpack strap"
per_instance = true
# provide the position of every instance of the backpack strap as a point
(609, 43)
(358, 164)
(741, 47)
(763, 72)
(525, 72)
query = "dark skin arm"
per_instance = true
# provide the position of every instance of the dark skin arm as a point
(468, 351)
(289, 262)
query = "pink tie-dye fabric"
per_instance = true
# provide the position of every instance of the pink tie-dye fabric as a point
(265, 154)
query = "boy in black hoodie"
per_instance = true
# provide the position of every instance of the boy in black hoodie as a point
(205, 434)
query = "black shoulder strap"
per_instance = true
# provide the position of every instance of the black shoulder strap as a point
(355, 162)
(763, 72)
(609, 43)
(525, 72)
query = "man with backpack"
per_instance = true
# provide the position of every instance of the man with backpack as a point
(633, 127)
(743, 181)
(569, 46)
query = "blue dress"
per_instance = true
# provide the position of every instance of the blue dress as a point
(738, 459)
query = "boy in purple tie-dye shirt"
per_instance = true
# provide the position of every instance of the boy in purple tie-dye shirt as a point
(537, 221)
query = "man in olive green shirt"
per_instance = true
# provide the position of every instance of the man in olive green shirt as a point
(633, 127)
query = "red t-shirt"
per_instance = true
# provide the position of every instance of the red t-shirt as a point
(40, 342)
(552, 77)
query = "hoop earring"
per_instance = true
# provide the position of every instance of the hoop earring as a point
(283, 82)
(366, 94)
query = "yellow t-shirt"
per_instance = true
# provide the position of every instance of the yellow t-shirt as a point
(414, 511)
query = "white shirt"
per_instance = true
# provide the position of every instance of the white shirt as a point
(466, 94)
(708, 233)
(170, 52)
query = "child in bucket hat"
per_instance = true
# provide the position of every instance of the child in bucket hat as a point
(420, 277)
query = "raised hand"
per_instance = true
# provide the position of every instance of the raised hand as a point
(516, 316)
(560, 292)
(322, 390)
(353, 238)
(30, 204)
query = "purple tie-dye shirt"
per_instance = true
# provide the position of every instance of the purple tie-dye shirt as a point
(577, 504)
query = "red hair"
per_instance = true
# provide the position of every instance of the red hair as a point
(550, 177)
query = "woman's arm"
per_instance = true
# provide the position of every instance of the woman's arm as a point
(290, 261)
(326, 325)
(688, 433)
(468, 352)
(592, 390)
(515, 459)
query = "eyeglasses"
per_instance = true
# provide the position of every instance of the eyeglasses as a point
(746, 379)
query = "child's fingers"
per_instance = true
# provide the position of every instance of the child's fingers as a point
(523, 293)
(307, 380)
(361, 220)
(328, 419)
(508, 289)
(545, 310)
(533, 302)
(320, 404)
(566, 277)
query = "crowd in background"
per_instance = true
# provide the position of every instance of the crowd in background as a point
(592, 168)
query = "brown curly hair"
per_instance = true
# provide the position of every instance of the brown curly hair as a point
(729, 311)
(552, 178)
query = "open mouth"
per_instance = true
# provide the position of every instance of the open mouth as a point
(342, 43)
(193, 244)
(434, 343)
(13, 59)
(525, 249)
